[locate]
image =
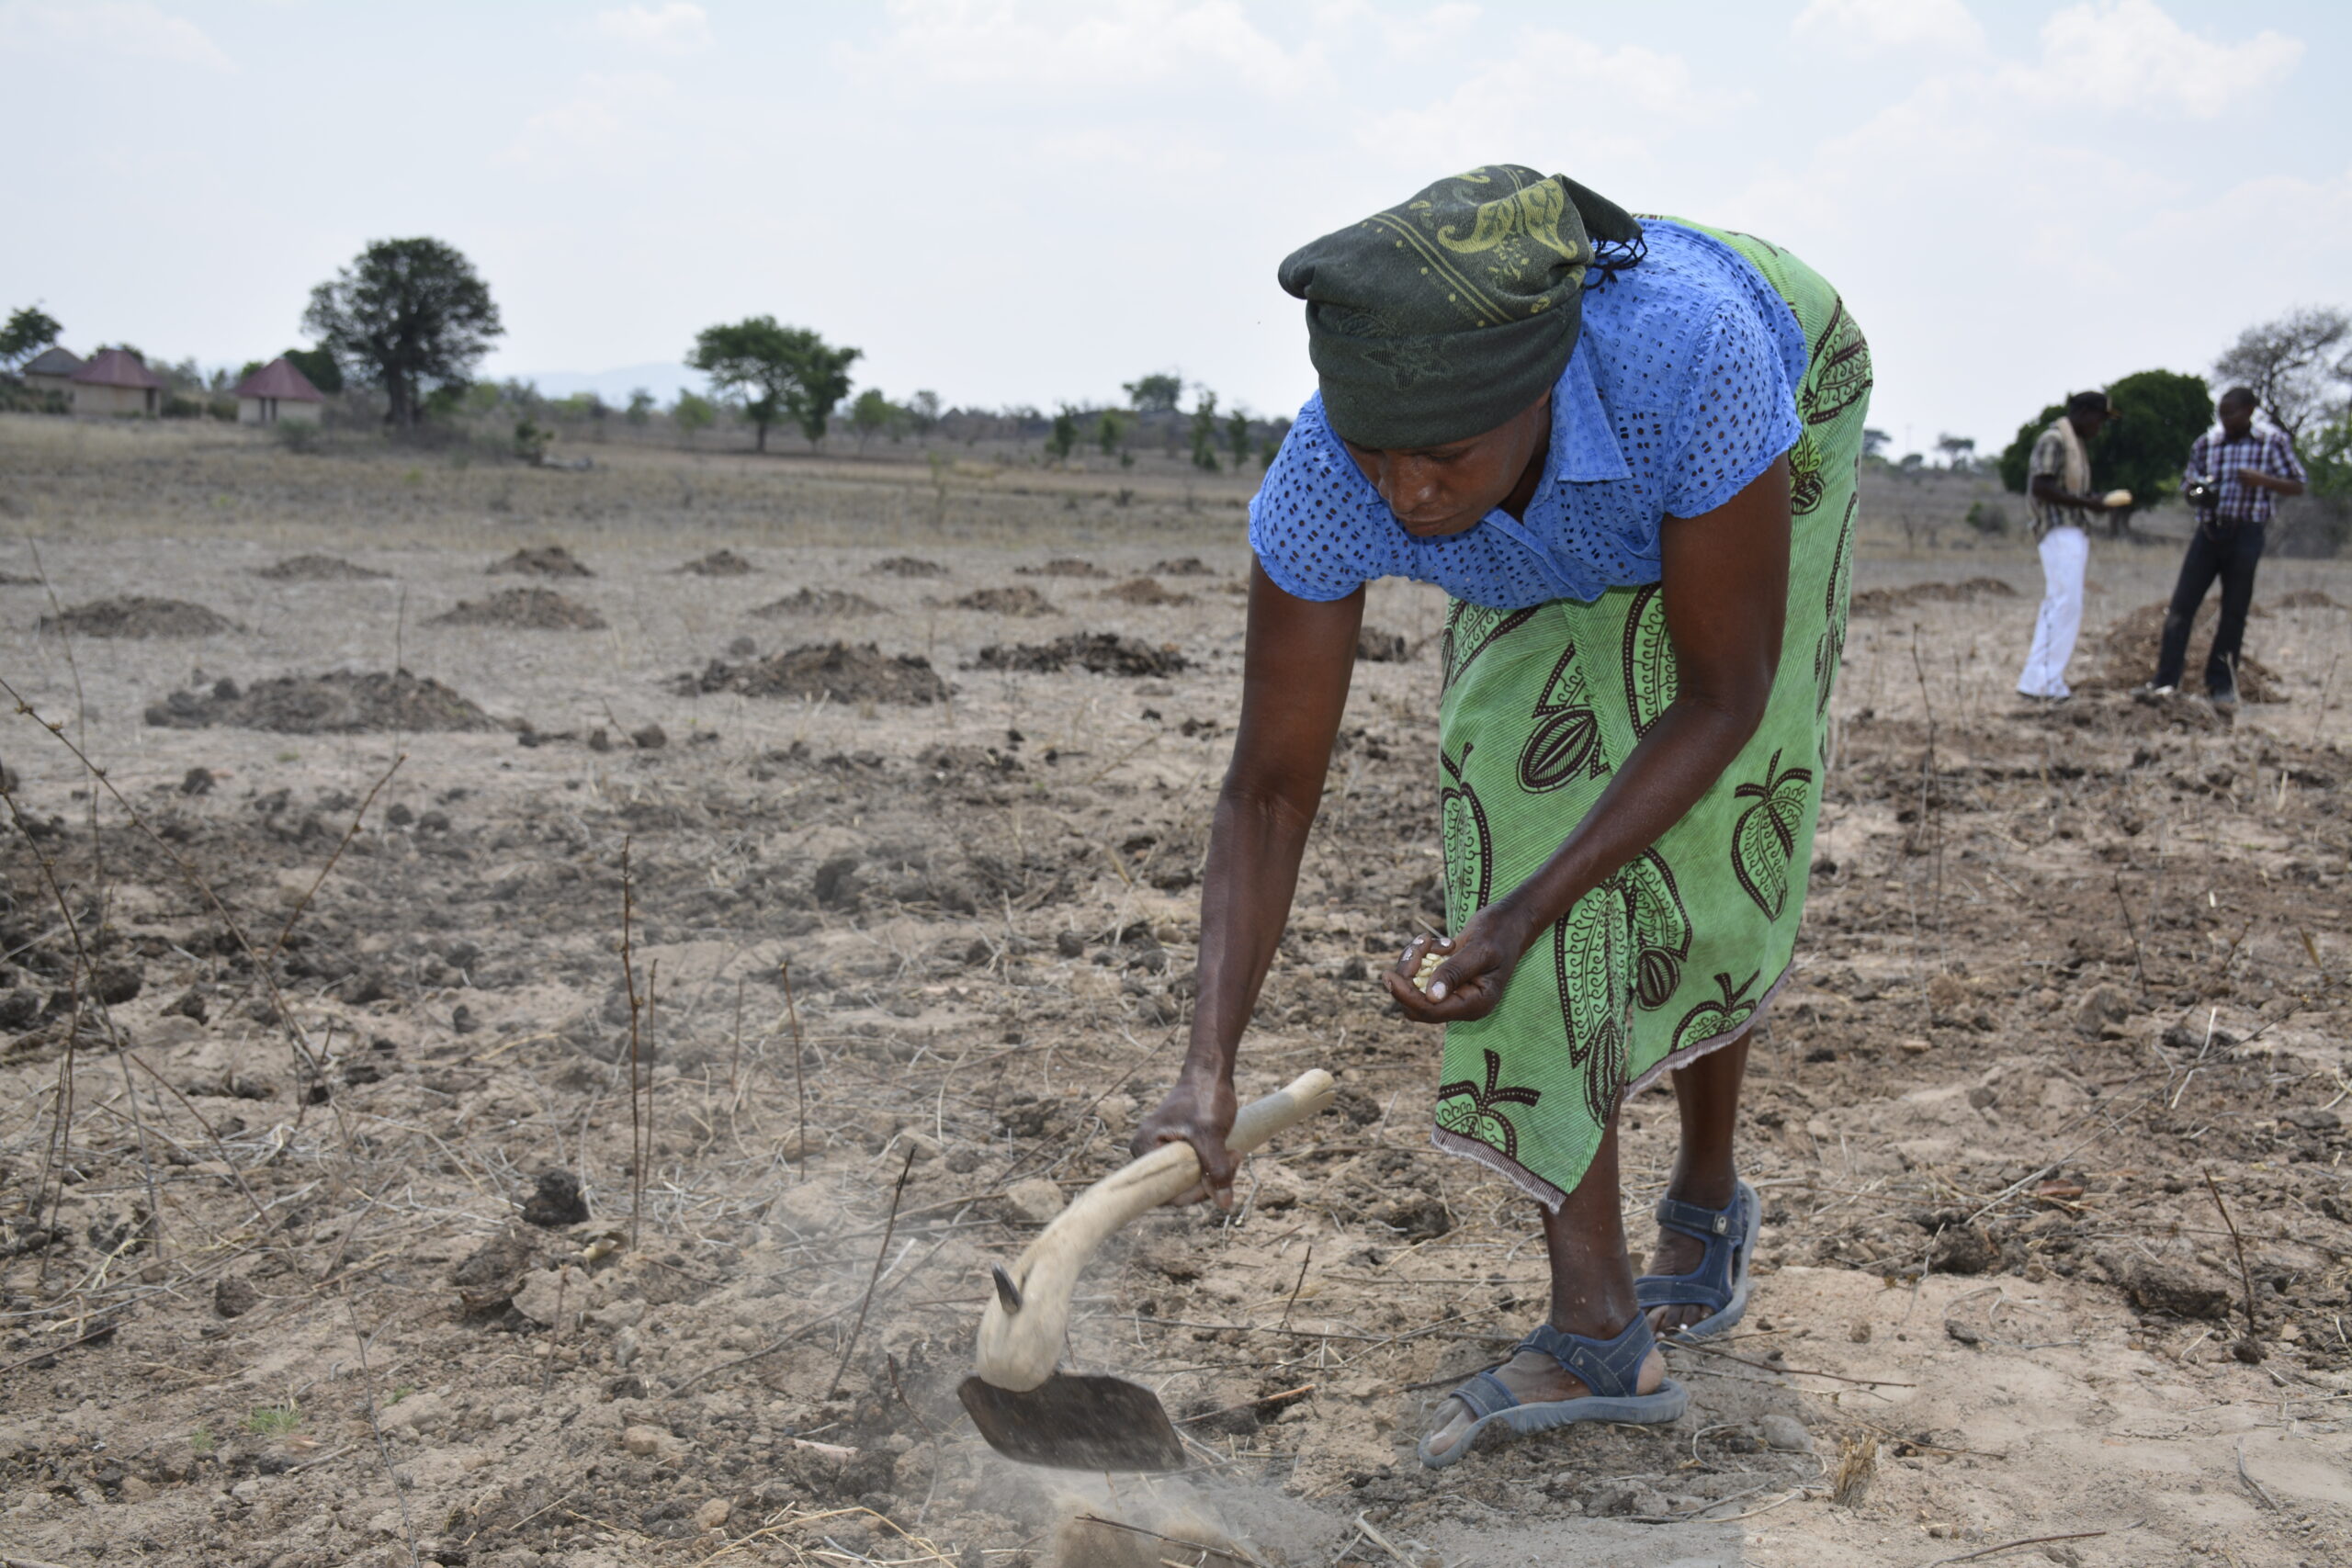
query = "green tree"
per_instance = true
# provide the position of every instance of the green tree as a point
(30, 330)
(2329, 458)
(694, 414)
(1106, 432)
(318, 366)
(411, 316)
(1272, 443)
(640, 406)
(1237, 436)
(1205, 430)
(2162, 413)
(1063, 441)
(922, 412)
(783, 372)
(1154, 394)
(871, 415)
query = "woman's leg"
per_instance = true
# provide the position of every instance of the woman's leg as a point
(1707, 1094)
(1592, 1295)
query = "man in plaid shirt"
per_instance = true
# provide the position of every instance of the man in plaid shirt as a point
(2235, 479)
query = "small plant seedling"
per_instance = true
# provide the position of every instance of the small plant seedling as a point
(401, 1392)
(289, 756)
(274, 1420)
(200, 1442)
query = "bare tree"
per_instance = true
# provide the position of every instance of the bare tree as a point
(2293, 366)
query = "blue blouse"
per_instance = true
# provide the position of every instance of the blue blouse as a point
(1681, 391)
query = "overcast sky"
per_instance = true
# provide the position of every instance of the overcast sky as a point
(1031, 202)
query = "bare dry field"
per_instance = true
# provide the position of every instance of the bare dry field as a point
(336, 1228)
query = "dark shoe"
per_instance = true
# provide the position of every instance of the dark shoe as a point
(1610, 1368)
(1721, 1282)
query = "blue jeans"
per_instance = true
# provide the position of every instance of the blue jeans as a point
(2230, 551)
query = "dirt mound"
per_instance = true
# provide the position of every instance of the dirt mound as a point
(2307, 599)
(1375, 646)
(719, 563)
(909, 566)
(1883, 601)
(12, 579)
(341, 703)
(2130, 645)
(1062, 566)
(317, 569)
(131, 615)
(1190, 566)
(837, 671)
(1018, 600)
(818, 601)
(1105, 653)
(551, 560)
(525, 609)
(1144, 591)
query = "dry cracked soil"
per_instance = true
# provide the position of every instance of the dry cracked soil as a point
(358, 1207)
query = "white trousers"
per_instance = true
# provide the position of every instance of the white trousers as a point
(2065, 552)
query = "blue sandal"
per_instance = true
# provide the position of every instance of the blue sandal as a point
(1721, 1282)
(1609, 1368)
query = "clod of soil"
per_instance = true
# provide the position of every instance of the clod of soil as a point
(1018, 600)
(818, 601)
(1063, 566)
(317, 569)
(1377, 647)
(1144, 591)
(1105, 653)
(1187, 566)
(342, 702)
(2132, 643)
(16, 580)
(837, 671)
(719, 563)
(523, 609)
(131, 615)
(1883, 601)
(551, 560)
(2307, 599)
(909, 566)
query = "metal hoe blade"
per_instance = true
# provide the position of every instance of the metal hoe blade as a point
(1069, 1422)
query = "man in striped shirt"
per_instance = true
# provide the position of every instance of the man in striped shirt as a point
(2235, 480)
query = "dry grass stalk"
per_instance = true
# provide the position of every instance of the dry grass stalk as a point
(799, 1075)
(2245, 1275)
(881, 1254)
(636, 1120)
(1849, 1478)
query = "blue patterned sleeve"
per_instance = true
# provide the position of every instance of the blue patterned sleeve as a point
(1741, 409)
(1315, 524)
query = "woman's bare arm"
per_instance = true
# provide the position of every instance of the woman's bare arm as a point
(1300, 659)
(1725, 580)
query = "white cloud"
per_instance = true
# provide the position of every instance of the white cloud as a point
(1548, 94)
(1070, 44)
(130, 27)
(1868, 27)
(678, 28)
(605, 116)
(2128, 54)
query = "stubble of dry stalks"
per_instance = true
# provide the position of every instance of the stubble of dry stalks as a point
(637, 1137)
(309, 1064)
(1849, 1478)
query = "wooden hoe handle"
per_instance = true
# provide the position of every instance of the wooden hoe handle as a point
(1022, 1329)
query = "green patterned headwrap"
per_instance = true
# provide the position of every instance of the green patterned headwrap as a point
(1447, 314)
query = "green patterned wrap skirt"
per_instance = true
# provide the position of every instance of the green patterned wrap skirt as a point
(1681, 950)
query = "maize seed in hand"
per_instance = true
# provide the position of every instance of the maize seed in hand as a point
(2118, 498)
(1429, 961)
